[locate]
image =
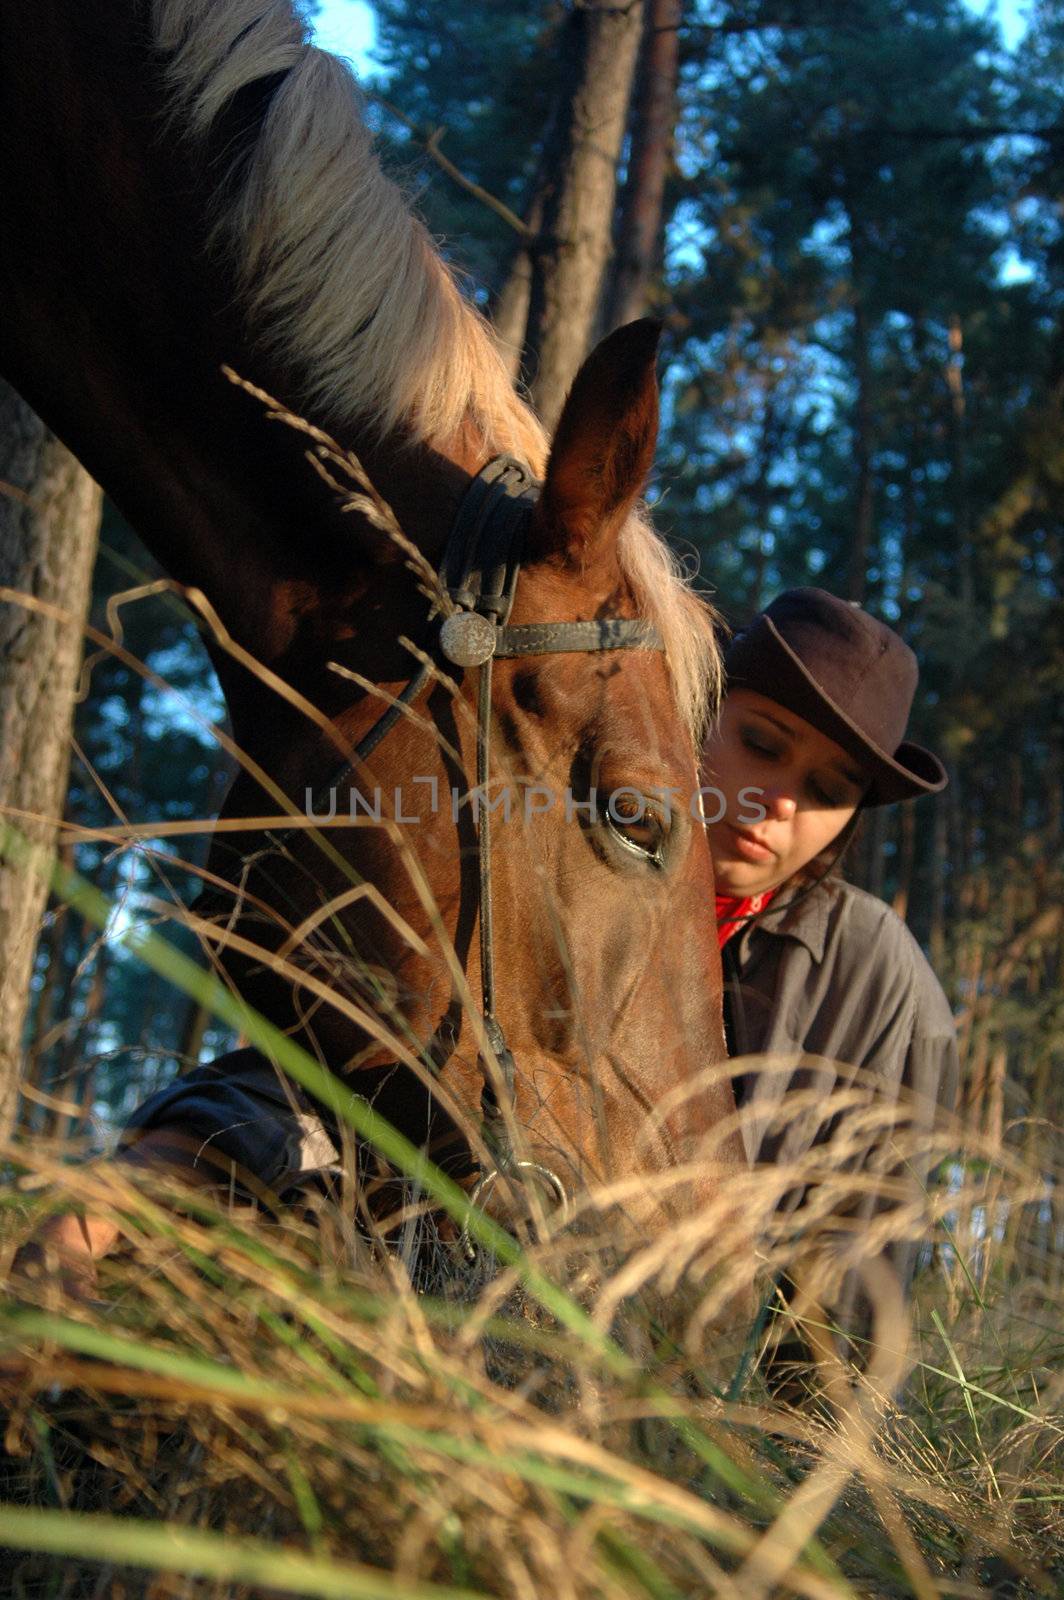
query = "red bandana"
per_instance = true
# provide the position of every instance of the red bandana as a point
(732, 908)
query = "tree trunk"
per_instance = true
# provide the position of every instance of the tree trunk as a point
(196, 1022)
(510, 311)
(875, 839)
(76, 1066)
(510, 314)
(570, 257)
(939, 847)
(653, 125)
(906, 859)
(864, 493)
(39, 1037)
(864, 507)
(962, 515)
(761, 495)
(49, 521)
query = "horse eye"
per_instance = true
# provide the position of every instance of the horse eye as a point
(637, 825)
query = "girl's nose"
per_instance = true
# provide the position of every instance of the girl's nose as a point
(779, 805)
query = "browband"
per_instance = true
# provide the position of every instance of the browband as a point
(480, 570)
(545, 638)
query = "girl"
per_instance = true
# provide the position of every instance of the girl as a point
(812, 732)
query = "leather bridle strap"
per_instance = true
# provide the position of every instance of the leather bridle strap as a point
(549, 638)
(491, 1111)
(479, 570)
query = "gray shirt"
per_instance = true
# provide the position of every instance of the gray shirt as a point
(832, 984)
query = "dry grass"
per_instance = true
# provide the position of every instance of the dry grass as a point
(249, 1407)
(283, 1389)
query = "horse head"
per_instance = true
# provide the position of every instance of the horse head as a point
(606, 981)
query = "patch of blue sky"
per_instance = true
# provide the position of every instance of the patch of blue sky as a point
(1012, 17)
(113, 711)
(685, 248)
(127, 905)
(170, 708)
(134, 906)
(826, 385)
(1012, 267)
(176, 661)
(829, 237)
(166, 712)
(347, 28)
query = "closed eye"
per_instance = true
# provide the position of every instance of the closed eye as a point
(760, 745)
(830, 796)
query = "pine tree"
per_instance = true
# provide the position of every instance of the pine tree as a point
(49, 517)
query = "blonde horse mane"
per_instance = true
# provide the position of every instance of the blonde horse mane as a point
(349, 291)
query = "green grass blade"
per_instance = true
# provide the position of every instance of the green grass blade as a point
(206, 988)
(229, 1558)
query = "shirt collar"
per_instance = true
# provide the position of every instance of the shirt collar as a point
(806, 921)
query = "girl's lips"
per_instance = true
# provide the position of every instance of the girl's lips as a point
(750, 848)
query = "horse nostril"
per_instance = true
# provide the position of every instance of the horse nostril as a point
(519, 1174)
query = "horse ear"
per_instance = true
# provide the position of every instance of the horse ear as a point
(603, 448)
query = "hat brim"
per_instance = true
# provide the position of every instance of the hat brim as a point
(768, 664)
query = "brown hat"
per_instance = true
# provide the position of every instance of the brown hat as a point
(847, 674)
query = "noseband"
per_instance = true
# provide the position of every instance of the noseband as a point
(479, 571)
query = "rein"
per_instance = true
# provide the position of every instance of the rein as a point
(479, 570)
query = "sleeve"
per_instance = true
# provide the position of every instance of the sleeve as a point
(240, 1109)
(930, 1077)
(883, 1020)
(917, 1060)
(907, 1033)
(933, 1071)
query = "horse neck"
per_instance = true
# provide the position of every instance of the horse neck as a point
(113, 332)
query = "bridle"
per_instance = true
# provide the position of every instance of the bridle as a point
(479, 571)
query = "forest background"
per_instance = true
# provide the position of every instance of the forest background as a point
(857, 258)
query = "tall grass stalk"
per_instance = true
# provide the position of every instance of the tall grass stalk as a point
(274, 1409)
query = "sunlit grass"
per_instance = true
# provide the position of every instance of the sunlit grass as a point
(248, 1404)
(254, 1403)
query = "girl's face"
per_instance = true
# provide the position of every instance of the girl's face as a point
(760, 756)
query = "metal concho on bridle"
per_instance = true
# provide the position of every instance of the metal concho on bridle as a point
(480, 567)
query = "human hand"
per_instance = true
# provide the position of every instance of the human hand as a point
(64, 1250)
